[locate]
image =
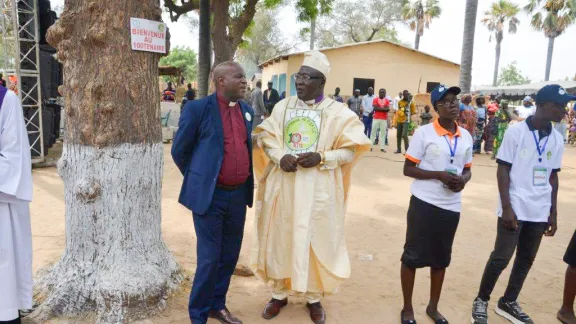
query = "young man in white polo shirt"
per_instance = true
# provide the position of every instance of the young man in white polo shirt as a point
(529, 160)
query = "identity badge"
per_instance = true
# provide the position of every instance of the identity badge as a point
(540, 176)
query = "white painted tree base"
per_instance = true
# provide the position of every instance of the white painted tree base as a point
(115, 266)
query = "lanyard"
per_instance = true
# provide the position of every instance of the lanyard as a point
(452, 150)
(540, 151)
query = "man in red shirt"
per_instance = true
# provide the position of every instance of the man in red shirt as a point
(380, 122)
(213, 150)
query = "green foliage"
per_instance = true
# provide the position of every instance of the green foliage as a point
(511, 75)
(552, 17)
(500, 13)
(309, 10)
(183, 58)
(418, 14)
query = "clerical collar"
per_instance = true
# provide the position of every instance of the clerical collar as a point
(223, 100)
(315, 101)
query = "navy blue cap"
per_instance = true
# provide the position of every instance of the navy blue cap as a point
(441, 90)
(554, 93)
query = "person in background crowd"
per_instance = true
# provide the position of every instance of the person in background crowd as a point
(2, 81)
(380, 122)
(529, 160)
(271, 98)
(566, 312)
(481, 121)
(526, 110)
(395, 109)
(213, 150)
(13, 83)
(355, 103)
(257, 102)
(190, 93)
(15, 196)
(299, 244)
(467, 117)
(426, 116)
(440, 161)
(572, 129)
(501, 122)
(490, 130)
(406, 108)
(283, 95)
(562, 127)
(368, 111)
(337, 96)
(169, 94)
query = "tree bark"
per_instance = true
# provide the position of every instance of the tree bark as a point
(468, 45)
(497, 62)
(549, 57)
(204, 50)
(312, 33)
(417, 40)
(115, 266)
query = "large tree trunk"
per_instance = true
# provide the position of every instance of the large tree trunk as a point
(115, 265)
(204, 50)
(497, 62)
(417, 40)
(468, 45)
(312, 33)
(549, 58)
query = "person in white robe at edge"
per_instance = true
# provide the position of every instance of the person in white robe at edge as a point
(312, 143)
(15, 197)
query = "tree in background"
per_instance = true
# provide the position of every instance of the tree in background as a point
(552, 17)
(183, 58)
(263, 39)
(418, 15)
(511, 75)
(347, 22)
(115, 267)
(309, 11)
(501, 12)
(468, 45)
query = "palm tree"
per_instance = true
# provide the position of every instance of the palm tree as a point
(468, 45)
(419, 14)
(552, 17)
(495, 19)
(205, 49)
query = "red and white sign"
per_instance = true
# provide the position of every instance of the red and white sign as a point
(148, 35)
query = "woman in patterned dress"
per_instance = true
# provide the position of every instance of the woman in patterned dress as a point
(467, 117)
(502, 120)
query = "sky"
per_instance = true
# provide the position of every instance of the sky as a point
(444, 39)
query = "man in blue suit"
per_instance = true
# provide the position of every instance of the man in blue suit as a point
(213, 150)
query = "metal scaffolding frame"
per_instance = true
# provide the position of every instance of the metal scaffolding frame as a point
(21, 58)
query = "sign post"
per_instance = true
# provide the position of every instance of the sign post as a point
(148, 35)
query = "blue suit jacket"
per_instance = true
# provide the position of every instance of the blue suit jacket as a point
(198, 151)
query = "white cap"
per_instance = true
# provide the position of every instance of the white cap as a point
(317, 61)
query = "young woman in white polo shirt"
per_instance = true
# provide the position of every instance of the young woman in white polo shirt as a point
(439, 159)
(529, 160)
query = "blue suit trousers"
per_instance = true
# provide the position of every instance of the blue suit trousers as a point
(219, 234)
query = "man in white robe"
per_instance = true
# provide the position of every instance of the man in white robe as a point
(15, 196)
(310, 143)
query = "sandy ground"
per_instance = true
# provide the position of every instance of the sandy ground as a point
(376, 224)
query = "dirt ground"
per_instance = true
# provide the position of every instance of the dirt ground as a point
(376, 225)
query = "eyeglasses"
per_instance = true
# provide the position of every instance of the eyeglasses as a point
(448, 103)
(305, 77)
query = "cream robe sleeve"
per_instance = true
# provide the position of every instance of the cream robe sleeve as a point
(334, 159)
(15, 161)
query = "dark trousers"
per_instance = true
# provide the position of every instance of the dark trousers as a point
(15, 321)
(525, 240)
(367, 125)
(219, 234)
(402, 133)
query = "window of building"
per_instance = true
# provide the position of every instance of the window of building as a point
(431, 86)
(292, 85)
(275, 82)
(363, 85)
(281, 83)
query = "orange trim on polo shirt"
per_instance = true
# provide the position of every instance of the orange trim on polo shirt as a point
(468, 165)
(441, 131)
(411, 158)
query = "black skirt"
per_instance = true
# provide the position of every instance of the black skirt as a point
(429, 236)
(570, 256)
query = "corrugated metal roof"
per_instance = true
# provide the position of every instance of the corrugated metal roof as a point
(285, 56)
